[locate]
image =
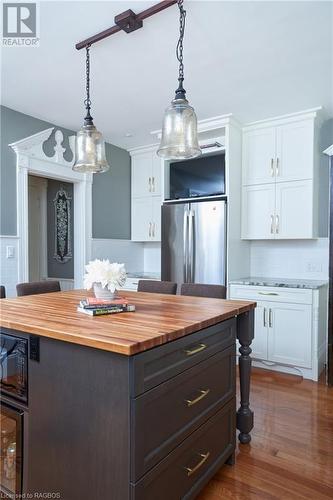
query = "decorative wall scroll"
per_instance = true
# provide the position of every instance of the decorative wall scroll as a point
(62, 211)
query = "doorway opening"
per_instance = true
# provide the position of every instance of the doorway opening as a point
(51, 230)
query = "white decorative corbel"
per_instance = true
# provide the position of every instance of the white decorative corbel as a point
(32, 147)
(329, 151)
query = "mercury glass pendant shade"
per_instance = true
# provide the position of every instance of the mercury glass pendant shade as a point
(179, 132)
(90, 151)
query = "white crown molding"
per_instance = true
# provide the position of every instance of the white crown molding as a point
(282, 119)
(32, 147)
(210, 124)
(329, 151)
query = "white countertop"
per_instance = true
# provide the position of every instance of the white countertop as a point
(279, 282)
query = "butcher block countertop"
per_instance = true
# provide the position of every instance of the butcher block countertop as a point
(157, 320)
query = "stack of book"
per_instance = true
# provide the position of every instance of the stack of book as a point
(97, 307)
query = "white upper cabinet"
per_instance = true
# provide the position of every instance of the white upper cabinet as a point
(294, 210)
(281, 178)
(146, 174)
(258, 212)
(294, 151)
(146, 196)
(259, 156)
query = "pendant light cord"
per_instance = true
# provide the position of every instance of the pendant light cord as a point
(180, 92)
(87, 101)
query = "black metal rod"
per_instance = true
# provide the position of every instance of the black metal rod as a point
(155, 9)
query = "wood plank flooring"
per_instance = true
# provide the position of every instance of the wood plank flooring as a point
(291, 453)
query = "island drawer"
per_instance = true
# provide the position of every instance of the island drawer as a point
(157, 365)
(183, 473)
(166, 415)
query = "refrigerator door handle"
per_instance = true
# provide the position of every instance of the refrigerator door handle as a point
(191, 248)
(185, 242)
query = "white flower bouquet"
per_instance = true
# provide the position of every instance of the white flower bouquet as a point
(104, 276)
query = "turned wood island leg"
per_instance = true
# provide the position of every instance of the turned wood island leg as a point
(245, 334)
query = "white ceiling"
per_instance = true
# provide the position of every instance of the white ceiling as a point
(252, 59)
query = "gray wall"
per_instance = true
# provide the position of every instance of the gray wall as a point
(57, 269)
(111, 217)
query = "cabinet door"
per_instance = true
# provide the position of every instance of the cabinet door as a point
(258, 156)
(259, 343)
(142, 219)
(294, 210)
(156, 174)
(289, 334)
(294, 151)
(258, 212)
(156, 218)
(142, 168)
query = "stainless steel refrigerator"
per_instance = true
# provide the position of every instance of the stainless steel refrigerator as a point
(194, 241)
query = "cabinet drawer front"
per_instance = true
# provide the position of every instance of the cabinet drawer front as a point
(189, 467)
(166, 415)
(153, 367)
(273, 294)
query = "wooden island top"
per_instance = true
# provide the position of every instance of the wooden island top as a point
(157, 320)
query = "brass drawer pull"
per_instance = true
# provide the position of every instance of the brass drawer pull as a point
(203, 394)
(200, 348)
(192, 470)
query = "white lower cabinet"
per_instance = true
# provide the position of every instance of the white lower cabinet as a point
(289, 334)
(290, 328)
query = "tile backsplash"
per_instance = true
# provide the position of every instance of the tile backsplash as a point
(297, 259)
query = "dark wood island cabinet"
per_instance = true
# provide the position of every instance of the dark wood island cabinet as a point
(135, 406)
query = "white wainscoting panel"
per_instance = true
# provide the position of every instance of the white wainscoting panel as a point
(296, 259)
(9, 266)
(123, 251)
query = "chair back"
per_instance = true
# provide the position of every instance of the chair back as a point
(201, 290)
(37, 287)
(154, 286)
(2, 292)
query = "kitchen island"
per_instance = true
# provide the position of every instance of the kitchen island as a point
(129, 406)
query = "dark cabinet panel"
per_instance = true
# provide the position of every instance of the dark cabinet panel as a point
(153, 367)
(183, 473)
(166, 415)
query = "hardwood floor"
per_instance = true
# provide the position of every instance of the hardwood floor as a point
(291, 453)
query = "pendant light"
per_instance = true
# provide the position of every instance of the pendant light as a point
(89, 147)
(179, 131)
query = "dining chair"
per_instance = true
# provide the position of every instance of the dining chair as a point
(154, 286)
(37, 287)
(201, 290)
(2, 292)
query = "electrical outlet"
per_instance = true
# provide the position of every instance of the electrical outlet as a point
(10, 252)
(314, 267)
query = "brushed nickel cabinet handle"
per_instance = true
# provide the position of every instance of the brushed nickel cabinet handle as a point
(153, 229)
(201, 347)
(149, 182)
(270, 318)
(153, 184)
(149, 230)
(277, 169)
(203, 394)
(277, 224)
(192, 470)
(272, 224)
(268, 293)
(272, 167)
(264, 317)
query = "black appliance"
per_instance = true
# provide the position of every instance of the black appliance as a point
(200, 177)
(14, 367)
(14, 397)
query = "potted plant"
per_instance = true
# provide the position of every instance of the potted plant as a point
(104, 277)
